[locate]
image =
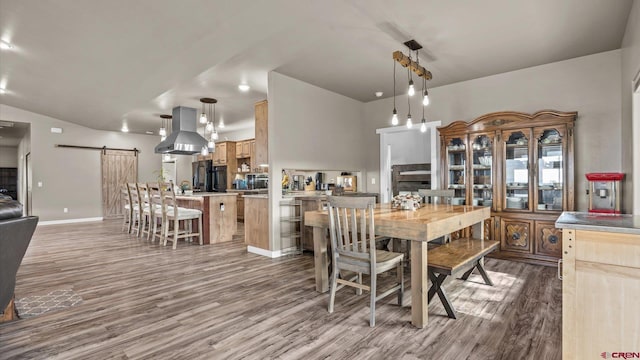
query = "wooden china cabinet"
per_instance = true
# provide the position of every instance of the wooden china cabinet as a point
(520, 165)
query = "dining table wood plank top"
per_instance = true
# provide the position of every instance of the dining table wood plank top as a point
(422, 225)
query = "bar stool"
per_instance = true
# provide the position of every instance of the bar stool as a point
(156, 212)
(172, 215)
(147, 211)
(136, 208)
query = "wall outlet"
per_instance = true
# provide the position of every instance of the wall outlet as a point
(221, 206)
(65, 210)
(373, 181)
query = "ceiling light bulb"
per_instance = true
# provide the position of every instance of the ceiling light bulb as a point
(412, 90)
(394, 118)
(425, 99)
(5, 45)
(244, 87)
(211, 144)
(204, 151)
(409, 122)
(162, 132)
(379, 93)
(423, 127)
(214, 135)
(209, 126)
(125, 128)
(221, 124)
(163, 138)
(203, 118)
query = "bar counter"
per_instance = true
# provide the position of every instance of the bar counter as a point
(218, 214)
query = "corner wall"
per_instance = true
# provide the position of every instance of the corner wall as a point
(589, 85)
(71, 177)
(309, 128)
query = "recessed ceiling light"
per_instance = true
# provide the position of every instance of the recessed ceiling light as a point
(5, 45)
(378, 93)
(244, 87)
(125, 128)
(149, 132)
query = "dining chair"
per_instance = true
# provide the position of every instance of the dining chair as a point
(127, 217)
(353, 250)
(172, 215)
(156, 212)
(136, 208)
(147, 214)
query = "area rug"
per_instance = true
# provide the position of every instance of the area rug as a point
(39, 304)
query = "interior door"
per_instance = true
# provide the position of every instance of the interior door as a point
(28, 177)
(118, 168)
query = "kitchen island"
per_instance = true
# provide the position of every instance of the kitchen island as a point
(600, 284)
(218, 214)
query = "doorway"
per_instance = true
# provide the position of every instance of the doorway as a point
(118, 168)
(28, 182)
(400, 145)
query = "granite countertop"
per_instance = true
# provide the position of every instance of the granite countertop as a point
(628, 224)
(201, 194)
(257, 196)
(314, 195)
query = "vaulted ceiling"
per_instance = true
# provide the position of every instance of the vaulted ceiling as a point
(99, 63)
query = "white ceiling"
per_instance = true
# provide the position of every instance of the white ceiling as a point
(97, 63)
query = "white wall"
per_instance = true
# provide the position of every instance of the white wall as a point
(239, 135)
(310, 128)
(8, 156)
(631, 125)
(589, 85)
(71, 177)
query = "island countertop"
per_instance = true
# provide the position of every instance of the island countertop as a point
(628, 224)
(202, 194)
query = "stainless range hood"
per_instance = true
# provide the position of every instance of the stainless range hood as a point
(184, 140)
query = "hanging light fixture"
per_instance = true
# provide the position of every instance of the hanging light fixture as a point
(423, 125)
(163, 129)
(394, 115)
(221, 124)
(203, 115)
(412, 67)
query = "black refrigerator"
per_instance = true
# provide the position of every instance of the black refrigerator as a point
(202, 175)
(219, 176)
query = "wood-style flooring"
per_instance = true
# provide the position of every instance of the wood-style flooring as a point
(144, 301)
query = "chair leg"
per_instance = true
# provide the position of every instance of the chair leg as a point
(200, 229)
(358, 290)
(334, 285)
(176, 227)
(372, 320)
(165, 232)
(400, 279)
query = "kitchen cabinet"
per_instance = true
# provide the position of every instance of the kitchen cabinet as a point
(521, 166)
(262, 149)
(240, 206)
(253, 165)
(600, 284)
(243, 149)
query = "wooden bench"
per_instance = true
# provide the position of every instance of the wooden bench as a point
(464, 254)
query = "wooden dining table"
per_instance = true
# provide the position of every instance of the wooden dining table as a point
(425, 224)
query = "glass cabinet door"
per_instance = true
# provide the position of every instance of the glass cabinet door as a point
(550, 170)
(482, 170)
(516, 170)
(456, 168)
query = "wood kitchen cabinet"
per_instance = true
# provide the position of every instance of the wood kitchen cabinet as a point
(243, 149)
(252, 154)
(520, 165)
(262, 149)
(240, 206)
(600, 285)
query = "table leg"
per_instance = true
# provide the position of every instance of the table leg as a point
(320, 259)
(419, 284)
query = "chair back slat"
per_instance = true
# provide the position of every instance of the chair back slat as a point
(133, 193)
(155, 197)
(352, 227)
(168, 196)
(126, 195)
(143, 193)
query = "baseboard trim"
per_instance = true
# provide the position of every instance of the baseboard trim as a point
(263, 252)
(69, 221)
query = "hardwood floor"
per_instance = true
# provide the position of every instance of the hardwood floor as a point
(144, 301)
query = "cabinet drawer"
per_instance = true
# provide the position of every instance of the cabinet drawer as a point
(608, 248)
(515, 235)
(548, 239)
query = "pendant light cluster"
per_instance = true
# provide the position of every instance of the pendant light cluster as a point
(207, 118)
(412, 67)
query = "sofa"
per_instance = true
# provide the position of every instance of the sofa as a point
(15, 235)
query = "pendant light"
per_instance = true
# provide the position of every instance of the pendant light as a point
(221, 124)
(209, 127)
(394, 115)
(423, 125)
(163, 129)
(409, 122)
(203, 115)
(412, 89)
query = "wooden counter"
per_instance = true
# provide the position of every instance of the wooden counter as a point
(256, 221)
(219, 214)
(600, 284)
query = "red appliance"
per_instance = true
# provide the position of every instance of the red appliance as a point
(604, 192)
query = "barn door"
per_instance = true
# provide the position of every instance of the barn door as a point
(118, 168)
